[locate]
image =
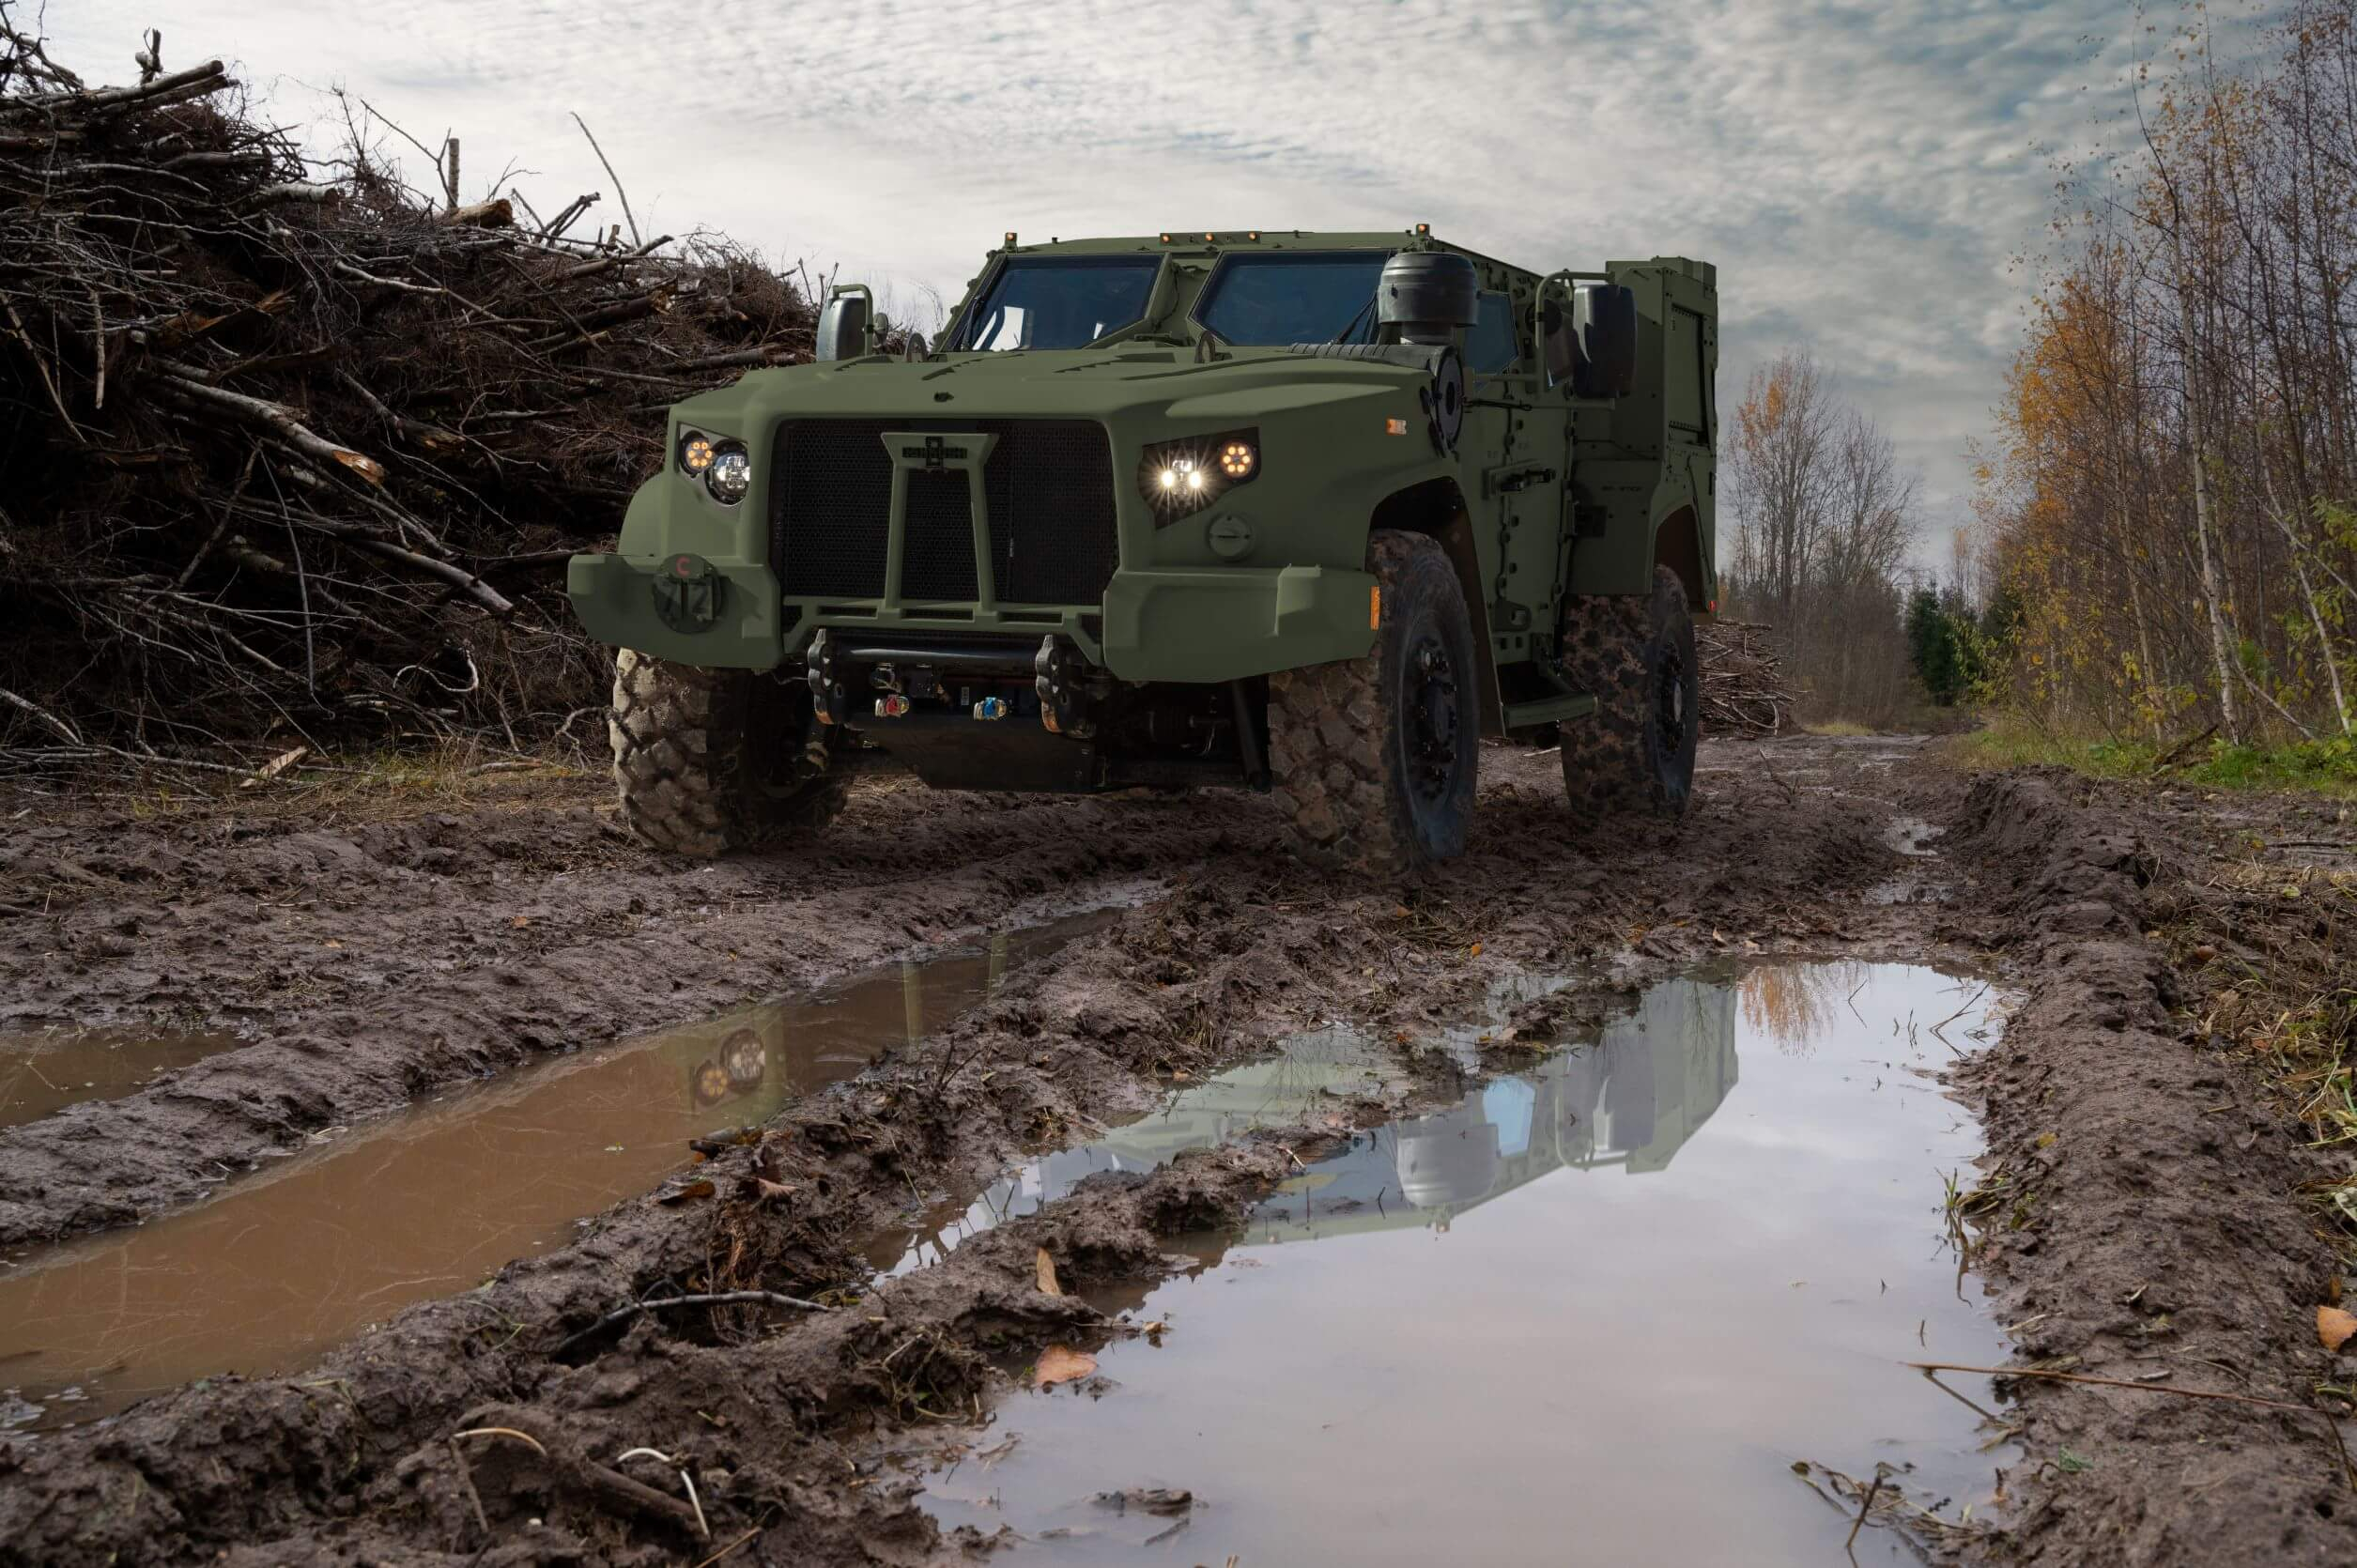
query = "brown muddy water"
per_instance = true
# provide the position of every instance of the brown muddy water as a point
(46, 1070)
(1596, 1312)
(283, 1266)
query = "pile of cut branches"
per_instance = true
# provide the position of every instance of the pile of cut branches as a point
(1743, 679)
(290, 450)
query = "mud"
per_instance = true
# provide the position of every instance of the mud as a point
(374, 961)
(432, 1199)
(2115, 1169)
(43, 1072)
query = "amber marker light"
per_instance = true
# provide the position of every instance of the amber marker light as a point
(1394, 428)
(1374, 609)
(695, 453)
(1237, 459)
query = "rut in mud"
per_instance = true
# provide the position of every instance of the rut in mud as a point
(887, 1197)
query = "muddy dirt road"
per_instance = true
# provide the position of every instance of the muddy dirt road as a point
(370, 1061)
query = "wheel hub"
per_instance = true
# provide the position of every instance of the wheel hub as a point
(1669, 704)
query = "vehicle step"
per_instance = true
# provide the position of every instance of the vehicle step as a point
(1549, 709)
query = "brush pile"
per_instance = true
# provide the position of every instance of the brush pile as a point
(1743, 680)
(295, 451)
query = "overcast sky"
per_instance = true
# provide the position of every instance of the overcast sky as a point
(1863, 174)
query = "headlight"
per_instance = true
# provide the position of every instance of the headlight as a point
(730, 474)
(695, 452)
(1181, 478)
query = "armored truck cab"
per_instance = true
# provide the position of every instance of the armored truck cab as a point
(1307, 514)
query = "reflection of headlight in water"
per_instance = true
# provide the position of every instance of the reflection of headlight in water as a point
(742, 1055)
(1445, 1161)
(711, 1083)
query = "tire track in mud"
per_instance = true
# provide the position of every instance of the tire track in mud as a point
(1789, 848)
(375, 965)
(1246, 948)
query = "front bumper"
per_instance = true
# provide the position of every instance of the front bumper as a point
(1193, 626)
(615, 597)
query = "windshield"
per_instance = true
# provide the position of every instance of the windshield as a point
(1059, 302)
(1293, 297)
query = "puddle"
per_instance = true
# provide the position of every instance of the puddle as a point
(1595, 1311)
(1316, 1070)
(45, 1071)
(1912, 836)
(432, 1202)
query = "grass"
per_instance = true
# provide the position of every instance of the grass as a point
(356, 786)
(2326, 767)
(1838, 727)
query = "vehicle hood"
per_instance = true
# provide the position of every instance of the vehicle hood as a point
(1122, 383)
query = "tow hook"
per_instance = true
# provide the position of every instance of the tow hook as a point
(828, 697)
(1061, 676)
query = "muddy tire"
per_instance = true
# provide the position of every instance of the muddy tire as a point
(1635, 755)
(1374, 759)
(711, 761)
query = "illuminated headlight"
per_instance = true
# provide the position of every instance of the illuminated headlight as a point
(695, 452)
(1181, 478)
(730, 474)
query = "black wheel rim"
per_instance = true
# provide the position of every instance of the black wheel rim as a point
(1669, 705)
(1432, 718)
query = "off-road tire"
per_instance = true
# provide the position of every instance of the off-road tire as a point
(1635, 754)
(1373, 765)
(712, 761)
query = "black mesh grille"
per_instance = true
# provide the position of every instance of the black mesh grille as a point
(1050, 483)
(830, 508)
(939, 563)
(1050, 487)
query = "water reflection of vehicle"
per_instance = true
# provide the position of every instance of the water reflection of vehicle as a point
(1631, 1098)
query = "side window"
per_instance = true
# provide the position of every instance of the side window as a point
(1489, 347)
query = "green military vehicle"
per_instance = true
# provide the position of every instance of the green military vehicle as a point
(1307, 514)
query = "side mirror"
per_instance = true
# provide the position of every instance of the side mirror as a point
(1558, 346)
(843, 329)
(1604, 320)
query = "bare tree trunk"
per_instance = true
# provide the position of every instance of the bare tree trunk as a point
(2315, 614)
(2229, 711)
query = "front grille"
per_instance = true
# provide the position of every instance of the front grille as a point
(939, 559)
(1048, 484)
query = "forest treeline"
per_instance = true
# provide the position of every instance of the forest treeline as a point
(1821, 521)
(2170, 504)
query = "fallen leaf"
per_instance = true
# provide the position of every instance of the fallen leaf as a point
(1046, 1268)
(2334, 1327)
(702, 1189)
(763, 1190)
(1061, 1365)
(1474, 951)
(520, 921)
(334, 943)
(275, 766)
(1164, 1501)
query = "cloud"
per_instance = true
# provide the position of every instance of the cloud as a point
(1861, 174)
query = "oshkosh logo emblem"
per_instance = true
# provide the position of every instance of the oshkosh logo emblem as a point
(937, 452)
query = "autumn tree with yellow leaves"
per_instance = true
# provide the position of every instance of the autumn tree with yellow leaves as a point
(2170, 501)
